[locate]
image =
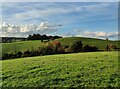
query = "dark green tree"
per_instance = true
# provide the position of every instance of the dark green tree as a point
(76, 46)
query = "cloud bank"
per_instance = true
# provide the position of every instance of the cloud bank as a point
(96, 34)
(25, 30)
(10, 30)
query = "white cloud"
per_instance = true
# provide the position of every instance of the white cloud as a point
(25, 30)
(97, 34)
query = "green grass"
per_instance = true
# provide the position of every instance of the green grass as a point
(101, 44)
(92, 69)
(25, 45)
(20, 46)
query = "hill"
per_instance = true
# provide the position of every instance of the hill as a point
(21, 46)
(31, 45)
(101, 44)
(92, 69)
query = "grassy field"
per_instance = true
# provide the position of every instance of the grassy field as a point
(101, 44)
(92, 69)
(25, 45)
(20, 46)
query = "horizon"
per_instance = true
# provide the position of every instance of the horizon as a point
(67, 37)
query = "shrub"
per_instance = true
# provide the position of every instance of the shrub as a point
(94, 48)
(57, 47)
(111, 47)
(41, 51)
(58, 44)
(66, 46)
(5, 56)
(60, 50)
(76, 46)
(8, 56)
(88, 48)
(27, 53)
(19, 54)
(68, 50)
(48, 50)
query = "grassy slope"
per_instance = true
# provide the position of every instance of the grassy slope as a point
(24, 45)
(98, 69)
(21, 46)
(101, 44)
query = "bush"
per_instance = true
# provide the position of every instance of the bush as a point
(41, 51)
(48, 50)
(27, 53)
(76, 46)
(68, 50)
(5, 56)
(60, 50)
(57, 47)
(66, 46)
(8, 56)
(111, 47)
(19, 54)
(88, 48)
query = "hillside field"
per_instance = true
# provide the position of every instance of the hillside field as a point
(91, 69)
(32, 45)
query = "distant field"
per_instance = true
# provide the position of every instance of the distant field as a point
(21, 46)
(25, 45)
(101, 44)
(92, 69)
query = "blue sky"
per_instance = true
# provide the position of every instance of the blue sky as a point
(87, 19)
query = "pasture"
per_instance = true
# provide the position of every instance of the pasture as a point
(21, 46)
(101, 44)
(90, 69)
(35, 44)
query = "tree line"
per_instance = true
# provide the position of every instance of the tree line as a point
(53, 47)
(30, 37)
(42, 37)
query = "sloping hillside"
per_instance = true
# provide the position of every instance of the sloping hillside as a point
(92, 69)
(101, 44)
(25, 45)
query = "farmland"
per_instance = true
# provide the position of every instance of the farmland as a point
(32, 45)
(101, 44)
(90, 69)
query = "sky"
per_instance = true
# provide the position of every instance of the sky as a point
(59, 0)
(80, 19)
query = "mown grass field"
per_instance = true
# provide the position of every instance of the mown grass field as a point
(31, 45)
(91, 69)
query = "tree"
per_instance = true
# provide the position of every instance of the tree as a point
(19, 54)
(76, 46)
(27, 53)
(38, 36)
(57, 46)
(44, 37)
(88, 48)
(111, 47)
(106, 39)
(29, 37)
